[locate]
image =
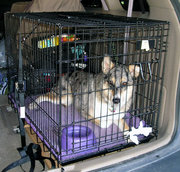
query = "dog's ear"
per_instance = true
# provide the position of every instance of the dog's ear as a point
(107, 64)
(134, 70)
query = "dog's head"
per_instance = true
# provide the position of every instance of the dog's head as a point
(118, 87)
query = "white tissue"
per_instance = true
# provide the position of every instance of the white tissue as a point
(140, 130)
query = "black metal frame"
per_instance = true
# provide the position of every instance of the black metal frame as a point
(47, 55)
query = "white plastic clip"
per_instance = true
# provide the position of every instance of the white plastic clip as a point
(145, 45)
(22, 112)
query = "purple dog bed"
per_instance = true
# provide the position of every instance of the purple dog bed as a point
(77, 137)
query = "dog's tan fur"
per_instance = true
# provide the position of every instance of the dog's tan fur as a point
(93, 96)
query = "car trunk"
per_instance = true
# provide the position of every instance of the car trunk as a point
(161, 10)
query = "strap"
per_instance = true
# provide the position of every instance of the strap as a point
(37, 156)
(130, 8)
(22, 132)
(26, 152)
(141, 3)
(34, 156)
(28, 155)
(16, 163)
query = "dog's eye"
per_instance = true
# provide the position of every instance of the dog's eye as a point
(124, 83)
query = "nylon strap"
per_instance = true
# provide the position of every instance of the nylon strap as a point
(28, 155)
(26, 152)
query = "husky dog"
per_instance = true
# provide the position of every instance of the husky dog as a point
(103, 98)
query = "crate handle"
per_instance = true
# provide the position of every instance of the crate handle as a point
(142, 73)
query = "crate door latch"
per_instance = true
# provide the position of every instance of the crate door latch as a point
(142, 72)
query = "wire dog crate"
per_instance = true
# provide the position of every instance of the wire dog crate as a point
(88, 79)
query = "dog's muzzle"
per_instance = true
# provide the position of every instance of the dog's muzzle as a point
(116, 100)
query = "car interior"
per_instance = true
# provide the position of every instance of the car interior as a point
(155, 10)
(159, 10)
